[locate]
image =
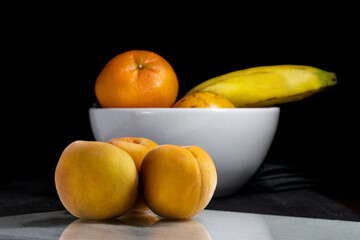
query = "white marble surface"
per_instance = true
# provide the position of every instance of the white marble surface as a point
(209, 224)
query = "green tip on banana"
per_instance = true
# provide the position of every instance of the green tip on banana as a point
(268, 85)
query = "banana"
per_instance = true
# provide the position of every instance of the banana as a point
(268, 85)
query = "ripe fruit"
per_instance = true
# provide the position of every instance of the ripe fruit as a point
(96, 180)
(178, 182)
(137, 148)
(269, 85)
(203, 100)
(136, 79)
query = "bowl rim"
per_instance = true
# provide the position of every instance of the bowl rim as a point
(273, 108)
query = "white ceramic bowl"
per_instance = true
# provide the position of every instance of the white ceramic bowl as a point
(237, 139)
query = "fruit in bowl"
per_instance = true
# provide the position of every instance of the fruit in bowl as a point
(137, 78)
(203, 100)
(268, 86)
(239, 107)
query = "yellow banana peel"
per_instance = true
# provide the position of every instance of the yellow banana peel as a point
(268, 85)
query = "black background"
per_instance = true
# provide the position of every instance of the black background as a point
(49, 70)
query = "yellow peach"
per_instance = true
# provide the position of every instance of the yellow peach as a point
(178, 182)
(96, 180)
(137, 148)
(203, 100)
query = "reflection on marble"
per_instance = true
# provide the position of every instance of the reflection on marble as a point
(137, 225)
(209, 224)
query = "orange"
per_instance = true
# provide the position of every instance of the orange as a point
(135, 79)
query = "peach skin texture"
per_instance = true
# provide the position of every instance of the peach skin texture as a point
(177, 182)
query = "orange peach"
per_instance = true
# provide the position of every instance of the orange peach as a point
(203, 100)
(96, 180)
(137, 148)
(178, 182)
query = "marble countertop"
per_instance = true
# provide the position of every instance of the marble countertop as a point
(209, 224)
(32, 210)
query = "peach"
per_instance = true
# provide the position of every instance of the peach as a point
(178, 182)
(137, 148)
(96, 180)
(203, 100)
